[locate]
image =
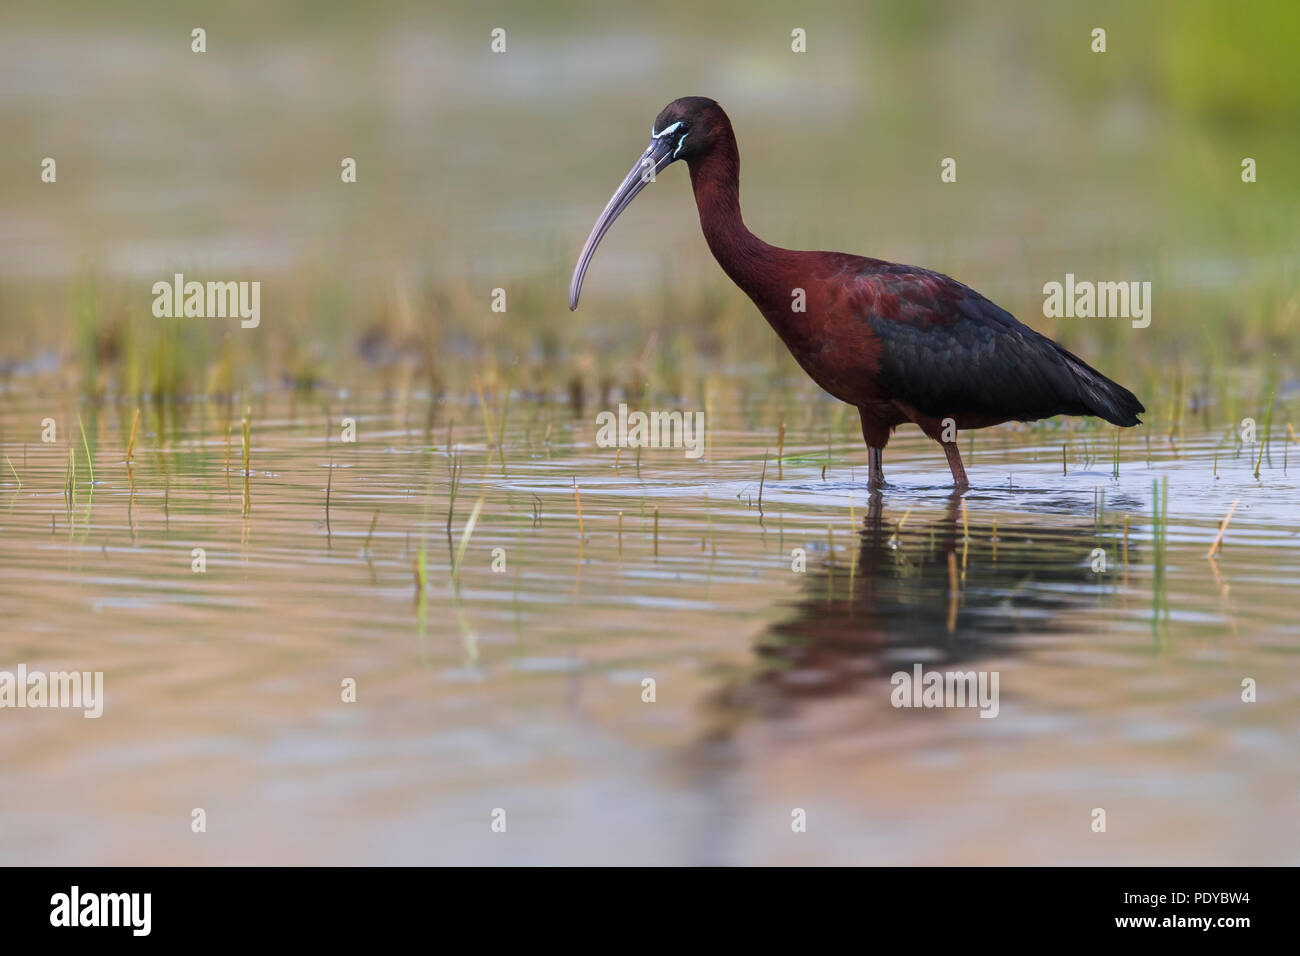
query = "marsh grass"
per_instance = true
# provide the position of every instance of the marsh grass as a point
(1223, 527)
(1159, 543)
(124, 356)
(577, 502)
(130, 444)
(455, 466)
(329, 487)
(85, 444)
(245, 429)
(70, 482)
(370, 533)
(421, 567)
(1268, 430)
(466, 533)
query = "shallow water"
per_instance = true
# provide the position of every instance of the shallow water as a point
(521, 688)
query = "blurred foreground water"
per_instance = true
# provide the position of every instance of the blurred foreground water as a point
(521, 688)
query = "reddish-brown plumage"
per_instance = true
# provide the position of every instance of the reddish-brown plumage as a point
(900, 343)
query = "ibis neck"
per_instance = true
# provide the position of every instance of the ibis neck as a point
(749, 261)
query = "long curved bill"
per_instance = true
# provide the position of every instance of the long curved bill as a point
(657, 155)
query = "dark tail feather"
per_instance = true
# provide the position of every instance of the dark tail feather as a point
(1102, 397)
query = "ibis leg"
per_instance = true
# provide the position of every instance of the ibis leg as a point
(954, 463)
(875, 432)
(876, 458)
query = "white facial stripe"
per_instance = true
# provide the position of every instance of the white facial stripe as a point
(654, 135)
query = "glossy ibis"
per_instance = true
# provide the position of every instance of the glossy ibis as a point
(900, 343)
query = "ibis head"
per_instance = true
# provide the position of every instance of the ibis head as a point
(685, 129)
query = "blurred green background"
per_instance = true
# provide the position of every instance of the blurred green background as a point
(479, 170)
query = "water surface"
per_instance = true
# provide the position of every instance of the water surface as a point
(521, 688)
